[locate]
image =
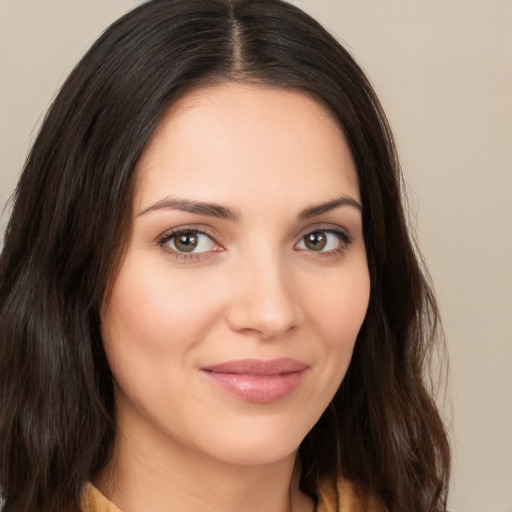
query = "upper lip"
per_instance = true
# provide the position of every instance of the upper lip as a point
(258, 367)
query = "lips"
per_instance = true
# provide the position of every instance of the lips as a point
(258, 381)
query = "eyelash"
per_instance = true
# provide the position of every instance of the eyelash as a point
(183, 256)
(345, 239)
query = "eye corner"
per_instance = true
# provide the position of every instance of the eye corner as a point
(202, 246)
(324, 240)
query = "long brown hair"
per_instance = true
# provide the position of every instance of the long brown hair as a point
(71, 219)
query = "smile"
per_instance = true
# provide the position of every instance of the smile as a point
(258, 381)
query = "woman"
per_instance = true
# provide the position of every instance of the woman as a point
(207, 232)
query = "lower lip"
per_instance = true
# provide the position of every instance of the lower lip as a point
(258, 388)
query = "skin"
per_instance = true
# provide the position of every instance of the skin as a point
(252, 288)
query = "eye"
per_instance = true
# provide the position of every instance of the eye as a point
(187, 241)
(324, 240)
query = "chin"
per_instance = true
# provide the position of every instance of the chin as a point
(253, 442)
(254, 452)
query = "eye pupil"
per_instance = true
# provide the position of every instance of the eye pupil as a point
(186, 242)
(315, 241)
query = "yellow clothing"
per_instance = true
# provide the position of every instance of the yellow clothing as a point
(94, 501)
(351, 499)
(345, 497)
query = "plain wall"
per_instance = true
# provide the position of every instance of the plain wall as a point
(443, 70)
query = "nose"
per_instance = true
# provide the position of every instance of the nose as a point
(264, 302)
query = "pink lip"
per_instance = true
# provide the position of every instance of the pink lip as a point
(258, 381)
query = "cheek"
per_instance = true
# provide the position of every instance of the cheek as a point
(341, 307)
(155, 312)
(339, 311)
(151, 329)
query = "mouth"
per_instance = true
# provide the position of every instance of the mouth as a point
(258, 381)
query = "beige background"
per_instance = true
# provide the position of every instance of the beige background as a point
(443, 69)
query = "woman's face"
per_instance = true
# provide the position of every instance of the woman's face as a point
(233, 318)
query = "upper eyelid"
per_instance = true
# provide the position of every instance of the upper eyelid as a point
(169, 233)
(190, 257)
(345, 239)
(330, 227)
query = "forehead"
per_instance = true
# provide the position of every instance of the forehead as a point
(234, 142)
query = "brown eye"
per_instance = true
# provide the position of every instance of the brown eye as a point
(324, 241)
(185, 242)
(189, 245)
(315, 241)
(188, 241)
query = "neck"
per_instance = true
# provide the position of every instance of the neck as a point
(148, 473)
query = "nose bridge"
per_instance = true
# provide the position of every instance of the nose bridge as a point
(265, 302)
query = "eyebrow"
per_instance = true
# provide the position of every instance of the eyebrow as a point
(312, 211)
(221, 212)
(201, 208)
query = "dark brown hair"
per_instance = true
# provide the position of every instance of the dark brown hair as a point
(71, 219)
